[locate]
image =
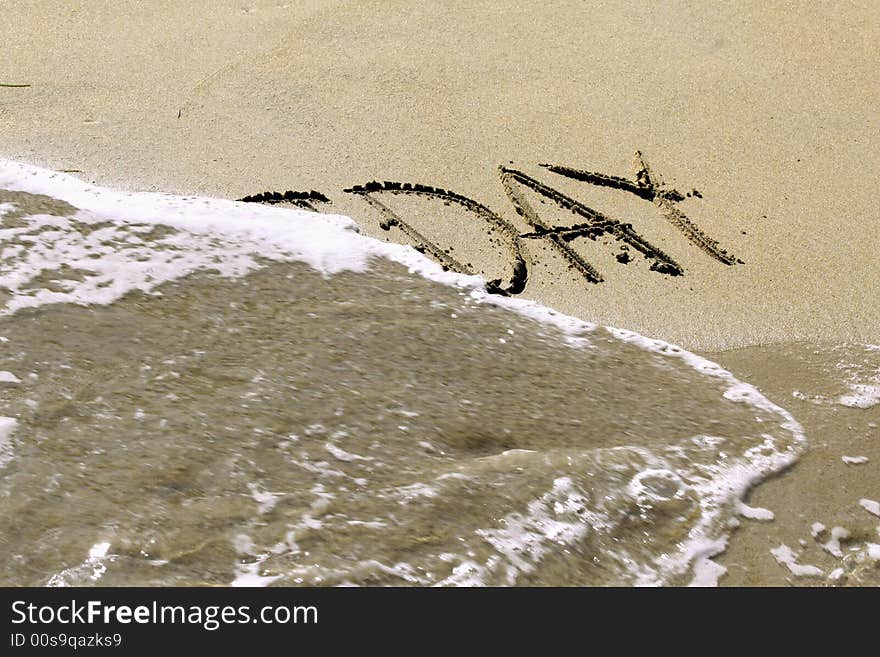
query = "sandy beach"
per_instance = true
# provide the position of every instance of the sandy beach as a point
(758, 123)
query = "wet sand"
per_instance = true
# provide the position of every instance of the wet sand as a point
(769, 112)
(822, 487)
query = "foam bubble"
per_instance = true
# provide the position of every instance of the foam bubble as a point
(99, 550)
(707, 573)
(92, 569)
(754, 513)
(862, 396)
(341, 455)
(871, 506)
(524, 538)
(785, 556)
(266, 500)
(7, 427)
(9, 377)
(832, 546)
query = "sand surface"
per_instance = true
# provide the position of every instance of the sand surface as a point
(771, 112)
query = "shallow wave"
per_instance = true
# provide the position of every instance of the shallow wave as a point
(215, 392)
(847, 374)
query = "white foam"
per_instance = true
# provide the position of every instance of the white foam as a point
(99, 550)
(265, 500)
(854, 460)
(8, 377)
(785, 556)
(871, 506)
(7, 427)
(523, 538)
(247, 568)
(329, 243)
(862, 396)
(341, 455)
(733, 482)
(754, 512)
(93, 568)
(832, 546)
(409, 493)
(247, 576)
(369, 524)
(707, 573)
(818, 400)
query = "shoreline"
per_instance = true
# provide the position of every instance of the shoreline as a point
(826, 485)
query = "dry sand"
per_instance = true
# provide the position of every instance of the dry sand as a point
(771, 112)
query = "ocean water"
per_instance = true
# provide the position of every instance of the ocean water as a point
(196, 391)
(822, 526)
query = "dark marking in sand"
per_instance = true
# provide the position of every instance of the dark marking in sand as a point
(595, 225)
(647, 187)
(304, 200)
(15, 86)
(519, 275)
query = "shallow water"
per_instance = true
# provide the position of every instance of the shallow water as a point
(247, 419)
(825, 529)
